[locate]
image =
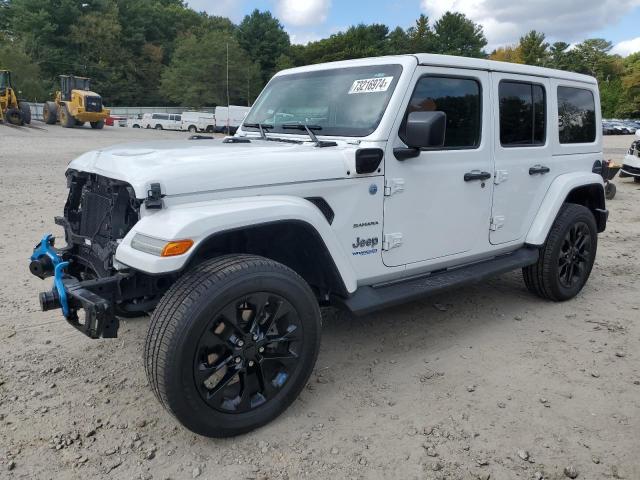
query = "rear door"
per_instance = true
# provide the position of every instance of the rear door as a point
(438, 204)
(524, 165)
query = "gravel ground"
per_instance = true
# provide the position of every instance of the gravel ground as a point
(483, 382)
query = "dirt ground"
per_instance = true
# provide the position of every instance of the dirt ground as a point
(482, 382)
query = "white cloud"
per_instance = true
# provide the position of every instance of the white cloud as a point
(232, 9)
(303, 12)
(504, 21)
(627, 47)
(302, 38)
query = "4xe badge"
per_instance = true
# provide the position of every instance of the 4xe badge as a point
(369, 243)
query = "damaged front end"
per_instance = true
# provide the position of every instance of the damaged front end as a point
(98, 213)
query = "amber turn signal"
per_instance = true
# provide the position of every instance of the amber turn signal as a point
(177, 247)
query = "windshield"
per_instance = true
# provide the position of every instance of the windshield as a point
(342, 102)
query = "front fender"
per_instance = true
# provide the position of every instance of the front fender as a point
(198, 221)
(558, 192)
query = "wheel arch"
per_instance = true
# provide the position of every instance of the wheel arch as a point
(294, 243)
(290, 230)
(585, 189)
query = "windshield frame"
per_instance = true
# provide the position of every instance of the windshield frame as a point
(364, 69)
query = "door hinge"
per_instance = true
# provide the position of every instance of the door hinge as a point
(500, 176)
(497, 223)
(393, 185)
(391, 240)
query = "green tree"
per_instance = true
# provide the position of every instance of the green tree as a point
(25, 74)
(398, 42)
(263, 37)
(455, 34)
(196, 75)
(420, 36)
(533, 48)
(356, 42)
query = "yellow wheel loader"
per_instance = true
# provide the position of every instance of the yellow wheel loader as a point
(12, 110)
(75, 104)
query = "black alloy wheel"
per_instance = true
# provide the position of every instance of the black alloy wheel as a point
(575, 255)
(232, 343)
(248, 353)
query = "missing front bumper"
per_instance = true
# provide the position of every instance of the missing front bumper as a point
(95, 297)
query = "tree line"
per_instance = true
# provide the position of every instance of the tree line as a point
(160, 52)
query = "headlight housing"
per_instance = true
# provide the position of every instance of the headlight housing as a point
(160, 248)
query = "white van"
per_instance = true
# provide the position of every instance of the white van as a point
(230, 117)
(162, 121)
(198, 122)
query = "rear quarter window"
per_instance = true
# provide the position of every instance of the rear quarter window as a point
(576, 115)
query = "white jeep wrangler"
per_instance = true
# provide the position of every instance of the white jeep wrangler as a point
(360, 184)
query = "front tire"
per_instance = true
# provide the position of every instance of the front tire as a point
(567, 257)
(636, 179)
(66, 119)
(232, 344)
(99, 125)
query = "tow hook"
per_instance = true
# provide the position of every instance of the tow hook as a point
(44, 261)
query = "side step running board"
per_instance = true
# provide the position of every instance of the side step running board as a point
(369, 299)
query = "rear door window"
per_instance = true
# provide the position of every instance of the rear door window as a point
(576, 115)
(522, 114)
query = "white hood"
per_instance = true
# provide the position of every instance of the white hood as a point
(192, 166)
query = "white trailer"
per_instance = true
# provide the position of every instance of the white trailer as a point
(230, 117)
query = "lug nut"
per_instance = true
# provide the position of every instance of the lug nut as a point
(255, 337)
(238, 359)
(261, 349)
(240, 343)
(251, 363)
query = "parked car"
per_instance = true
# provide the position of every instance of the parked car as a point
(162, 121)
(116, 120)
(198, 122)
(360, 184)
(631, 162)
(228, 119)
(135, 122)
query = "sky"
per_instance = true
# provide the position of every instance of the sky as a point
(504, 21)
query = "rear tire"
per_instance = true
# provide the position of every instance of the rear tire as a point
(66, 120)
(567, 257)
(232, 343)
(25, 109)
(158, 127)
(99, 125)
(636, 179)
(609, 191)
(50, 113)
(192, 128)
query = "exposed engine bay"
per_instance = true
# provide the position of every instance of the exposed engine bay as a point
(99, 211)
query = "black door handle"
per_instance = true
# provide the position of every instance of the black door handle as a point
(476, 175)
(539, 169)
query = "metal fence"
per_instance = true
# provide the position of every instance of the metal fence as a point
(129, 112)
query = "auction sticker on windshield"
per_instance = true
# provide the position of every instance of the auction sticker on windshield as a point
(370, 85)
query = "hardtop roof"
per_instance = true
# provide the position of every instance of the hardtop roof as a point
(451, 61)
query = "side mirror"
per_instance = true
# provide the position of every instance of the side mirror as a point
(425, 129)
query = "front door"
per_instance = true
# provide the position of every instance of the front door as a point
(438, 203)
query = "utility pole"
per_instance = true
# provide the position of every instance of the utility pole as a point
(228, 101)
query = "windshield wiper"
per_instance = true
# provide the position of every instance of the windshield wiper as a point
(259, 126)
(262, 127)
(309, 129)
